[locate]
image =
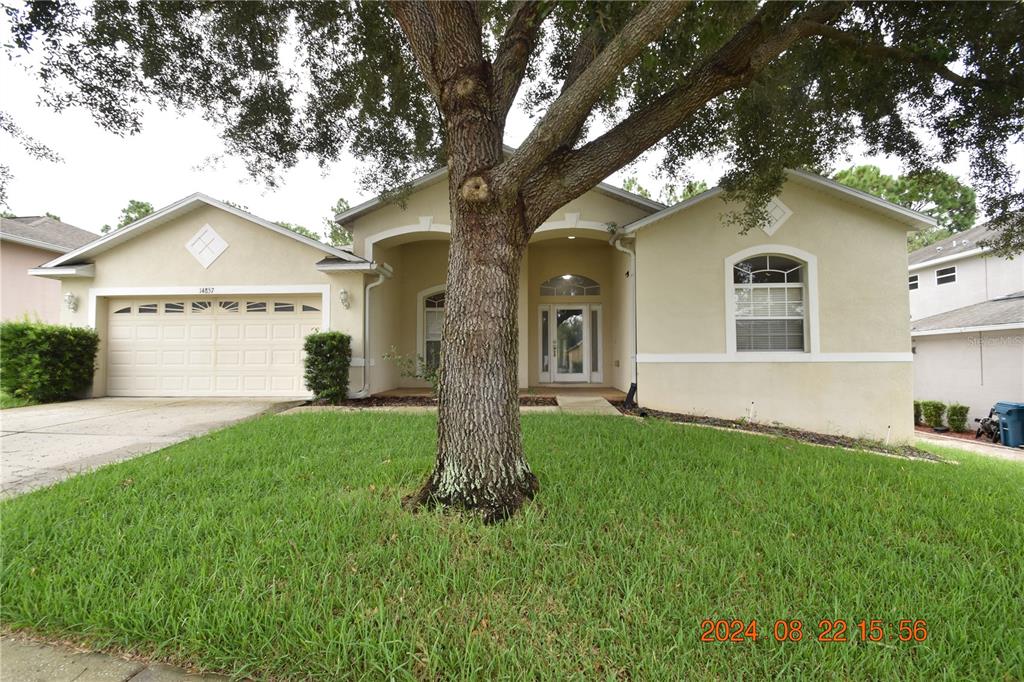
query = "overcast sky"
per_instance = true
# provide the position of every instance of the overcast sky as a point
(164, 163)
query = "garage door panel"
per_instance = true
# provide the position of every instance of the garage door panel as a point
(183, 346)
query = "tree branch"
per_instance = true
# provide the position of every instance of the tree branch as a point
(573, 106)
(418, 26)
(514, 50)
(732, 66)
(874, 49)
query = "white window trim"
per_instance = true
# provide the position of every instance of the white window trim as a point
(421, 321)
(813, 346)
(948, 267)
(217, 290)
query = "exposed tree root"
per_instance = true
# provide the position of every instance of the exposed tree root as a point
(493, 506)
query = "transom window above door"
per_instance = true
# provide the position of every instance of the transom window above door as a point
(570, 285)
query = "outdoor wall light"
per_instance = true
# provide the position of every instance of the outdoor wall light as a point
(572, 236)
(343, 297)
(71, 302)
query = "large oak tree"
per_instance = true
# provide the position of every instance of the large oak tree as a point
(410, 85)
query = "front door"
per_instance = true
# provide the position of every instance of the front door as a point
(570, 343)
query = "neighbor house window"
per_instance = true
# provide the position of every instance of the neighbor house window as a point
(913, 282)
(433, 323)
(945, 275)
(570, 285)
(769, 298)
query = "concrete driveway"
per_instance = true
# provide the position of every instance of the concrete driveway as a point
(44, 444)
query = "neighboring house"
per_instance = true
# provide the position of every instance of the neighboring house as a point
(967, 309)
(801, 322)
(26, 242)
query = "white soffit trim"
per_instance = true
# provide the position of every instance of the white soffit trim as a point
(768, 358)
(672, 210)
(26, 241)
(947, 259)
(967, 330)
(379, 268)
(179, 207)
(87, 270)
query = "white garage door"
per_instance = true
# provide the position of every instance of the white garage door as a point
(209, 346)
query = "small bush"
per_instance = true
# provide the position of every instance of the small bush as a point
(917, 413)
(956, 415)
(46, 363)
(328, 357)
(415, 367)
(933, 411)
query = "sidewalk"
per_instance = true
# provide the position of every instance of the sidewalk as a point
(25, 661)
(977, 447)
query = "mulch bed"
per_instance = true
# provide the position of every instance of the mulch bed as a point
(427, 401)
(966, 435)
(812, 437)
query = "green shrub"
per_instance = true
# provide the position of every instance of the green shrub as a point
(46, 363)
(415, 367)
(956, 415)
(328, 357)
(933, 411)
(917, 413)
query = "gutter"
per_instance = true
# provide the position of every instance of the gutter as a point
(384, 272)
(616, 241)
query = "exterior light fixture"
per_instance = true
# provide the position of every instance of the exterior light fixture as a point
(71, 302)
(572, 236)
(343, 297)
(566, 276)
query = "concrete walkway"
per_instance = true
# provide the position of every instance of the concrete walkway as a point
(586, 404)
(43, 444)
(25, 661)
(978, 447)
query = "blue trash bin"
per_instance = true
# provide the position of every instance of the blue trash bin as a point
(1011, 423)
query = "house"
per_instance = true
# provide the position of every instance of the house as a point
(26, 242)
(801, 322)
(967, 310)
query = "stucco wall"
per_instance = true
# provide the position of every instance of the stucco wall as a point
(978, 278)
(862, 308)
(22, 294)
(976, 369)
(255, 256)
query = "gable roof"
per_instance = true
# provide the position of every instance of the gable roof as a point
(441, 174)
(914, 220)
(157, 218)
(1005, 312)
(44, 232)
(955, 246)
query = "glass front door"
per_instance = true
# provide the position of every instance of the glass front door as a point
(570, 343)
(571, 349)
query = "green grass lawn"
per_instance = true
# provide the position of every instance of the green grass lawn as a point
(8, 401)
(278, 548)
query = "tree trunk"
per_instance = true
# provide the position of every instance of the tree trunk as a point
(480, 463)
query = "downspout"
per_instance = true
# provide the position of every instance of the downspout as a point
(383, 273)
(616, 241)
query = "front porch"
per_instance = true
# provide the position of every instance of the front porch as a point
(575, 313)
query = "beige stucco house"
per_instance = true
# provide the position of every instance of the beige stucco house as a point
(26, 242)
(802, 322)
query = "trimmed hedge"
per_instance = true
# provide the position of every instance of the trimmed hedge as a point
(956, 415)
(328, 357)
(917, 413)
(933, 411)
(46, 363)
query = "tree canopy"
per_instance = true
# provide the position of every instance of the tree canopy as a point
(771, 85)
(135, 210)
(939, 194)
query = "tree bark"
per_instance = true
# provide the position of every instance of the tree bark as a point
(480, 463)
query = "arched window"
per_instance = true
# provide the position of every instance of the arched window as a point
(769, 299)
(433, 323)
(570, 285)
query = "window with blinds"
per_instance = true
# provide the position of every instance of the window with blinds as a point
(433, 323)
(769, 298)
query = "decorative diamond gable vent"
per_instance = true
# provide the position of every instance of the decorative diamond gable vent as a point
(778, 213)
(206, 246)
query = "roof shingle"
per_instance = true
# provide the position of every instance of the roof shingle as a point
(1007, 309)
(55, 233)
